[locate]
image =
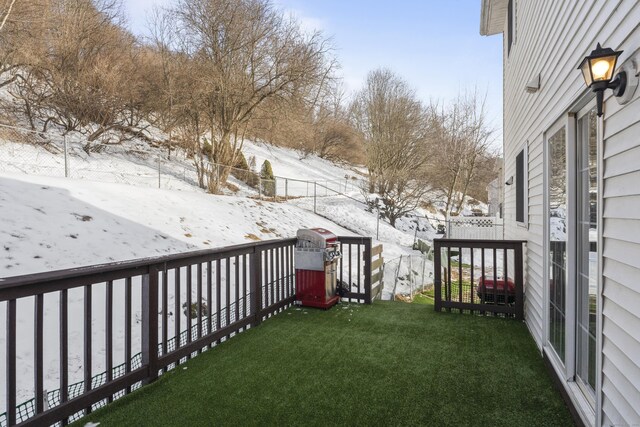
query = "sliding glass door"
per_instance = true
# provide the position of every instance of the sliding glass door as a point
(572, 243)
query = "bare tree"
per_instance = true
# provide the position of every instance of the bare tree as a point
(464, 139)
(249, 53)
(396, 135)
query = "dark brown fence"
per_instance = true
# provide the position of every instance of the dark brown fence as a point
(469, 275)
(136, 310)
(354, 268)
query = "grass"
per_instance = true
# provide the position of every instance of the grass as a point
(385, 364)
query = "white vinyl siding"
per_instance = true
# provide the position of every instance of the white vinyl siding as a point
(553, 37)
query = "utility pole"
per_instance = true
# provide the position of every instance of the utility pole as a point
(66, 157)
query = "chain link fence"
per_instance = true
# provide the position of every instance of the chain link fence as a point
(29, 152)
(407, 275)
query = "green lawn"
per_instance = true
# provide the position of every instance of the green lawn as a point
(385, 364)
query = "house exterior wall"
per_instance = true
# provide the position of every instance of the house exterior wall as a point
(551, 38)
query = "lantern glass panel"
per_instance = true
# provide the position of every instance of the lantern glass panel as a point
(586, 73)
(602, 68)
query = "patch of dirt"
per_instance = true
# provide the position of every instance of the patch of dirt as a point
(252, 236)
(84, 218)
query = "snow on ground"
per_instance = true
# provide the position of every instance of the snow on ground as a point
(292, 164)
(54, 223)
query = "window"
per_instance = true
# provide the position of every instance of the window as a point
(521, 188)
(510, 26)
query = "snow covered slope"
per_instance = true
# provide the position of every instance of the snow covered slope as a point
(55, 223)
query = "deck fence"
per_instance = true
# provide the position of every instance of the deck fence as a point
(469, 276)
(185, 303)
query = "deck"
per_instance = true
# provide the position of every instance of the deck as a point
(381, 364)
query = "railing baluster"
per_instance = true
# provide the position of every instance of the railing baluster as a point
(460, 275)
(471, 291)
(289, 271)
(495, 279)
(87, 341)
(277, 255)
(165, 312)
(292, 271)
(177, 272)
(38, 350)
(341, 263)
(272, 298)
(108, 333)
(209, 298)
(349, 269)
(237, 296)
(245, 272)
(227, 281)
(447, 286)
(264, 280)
(359, 270)
(199, 296)
(10, 363)
(127, 327)
(218, 296)
(483, 299)
(64, 347)
(188, 309)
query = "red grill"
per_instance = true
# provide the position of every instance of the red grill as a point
(316, 260)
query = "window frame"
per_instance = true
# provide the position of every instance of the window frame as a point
(524, 150)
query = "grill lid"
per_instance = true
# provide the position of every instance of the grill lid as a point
(316, 238)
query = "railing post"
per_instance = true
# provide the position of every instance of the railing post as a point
(519, 282)
(256, 286)
(367, 270)
(437, 274)
(150, 322)
(10, 374)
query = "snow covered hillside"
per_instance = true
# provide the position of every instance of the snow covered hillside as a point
(55, 223)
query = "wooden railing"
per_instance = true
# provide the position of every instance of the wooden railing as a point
(479, 276)
(354, 268)
(220, 292)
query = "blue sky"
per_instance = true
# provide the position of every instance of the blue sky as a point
(434, 45)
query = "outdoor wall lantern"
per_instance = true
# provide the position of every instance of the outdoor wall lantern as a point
(597, 70)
